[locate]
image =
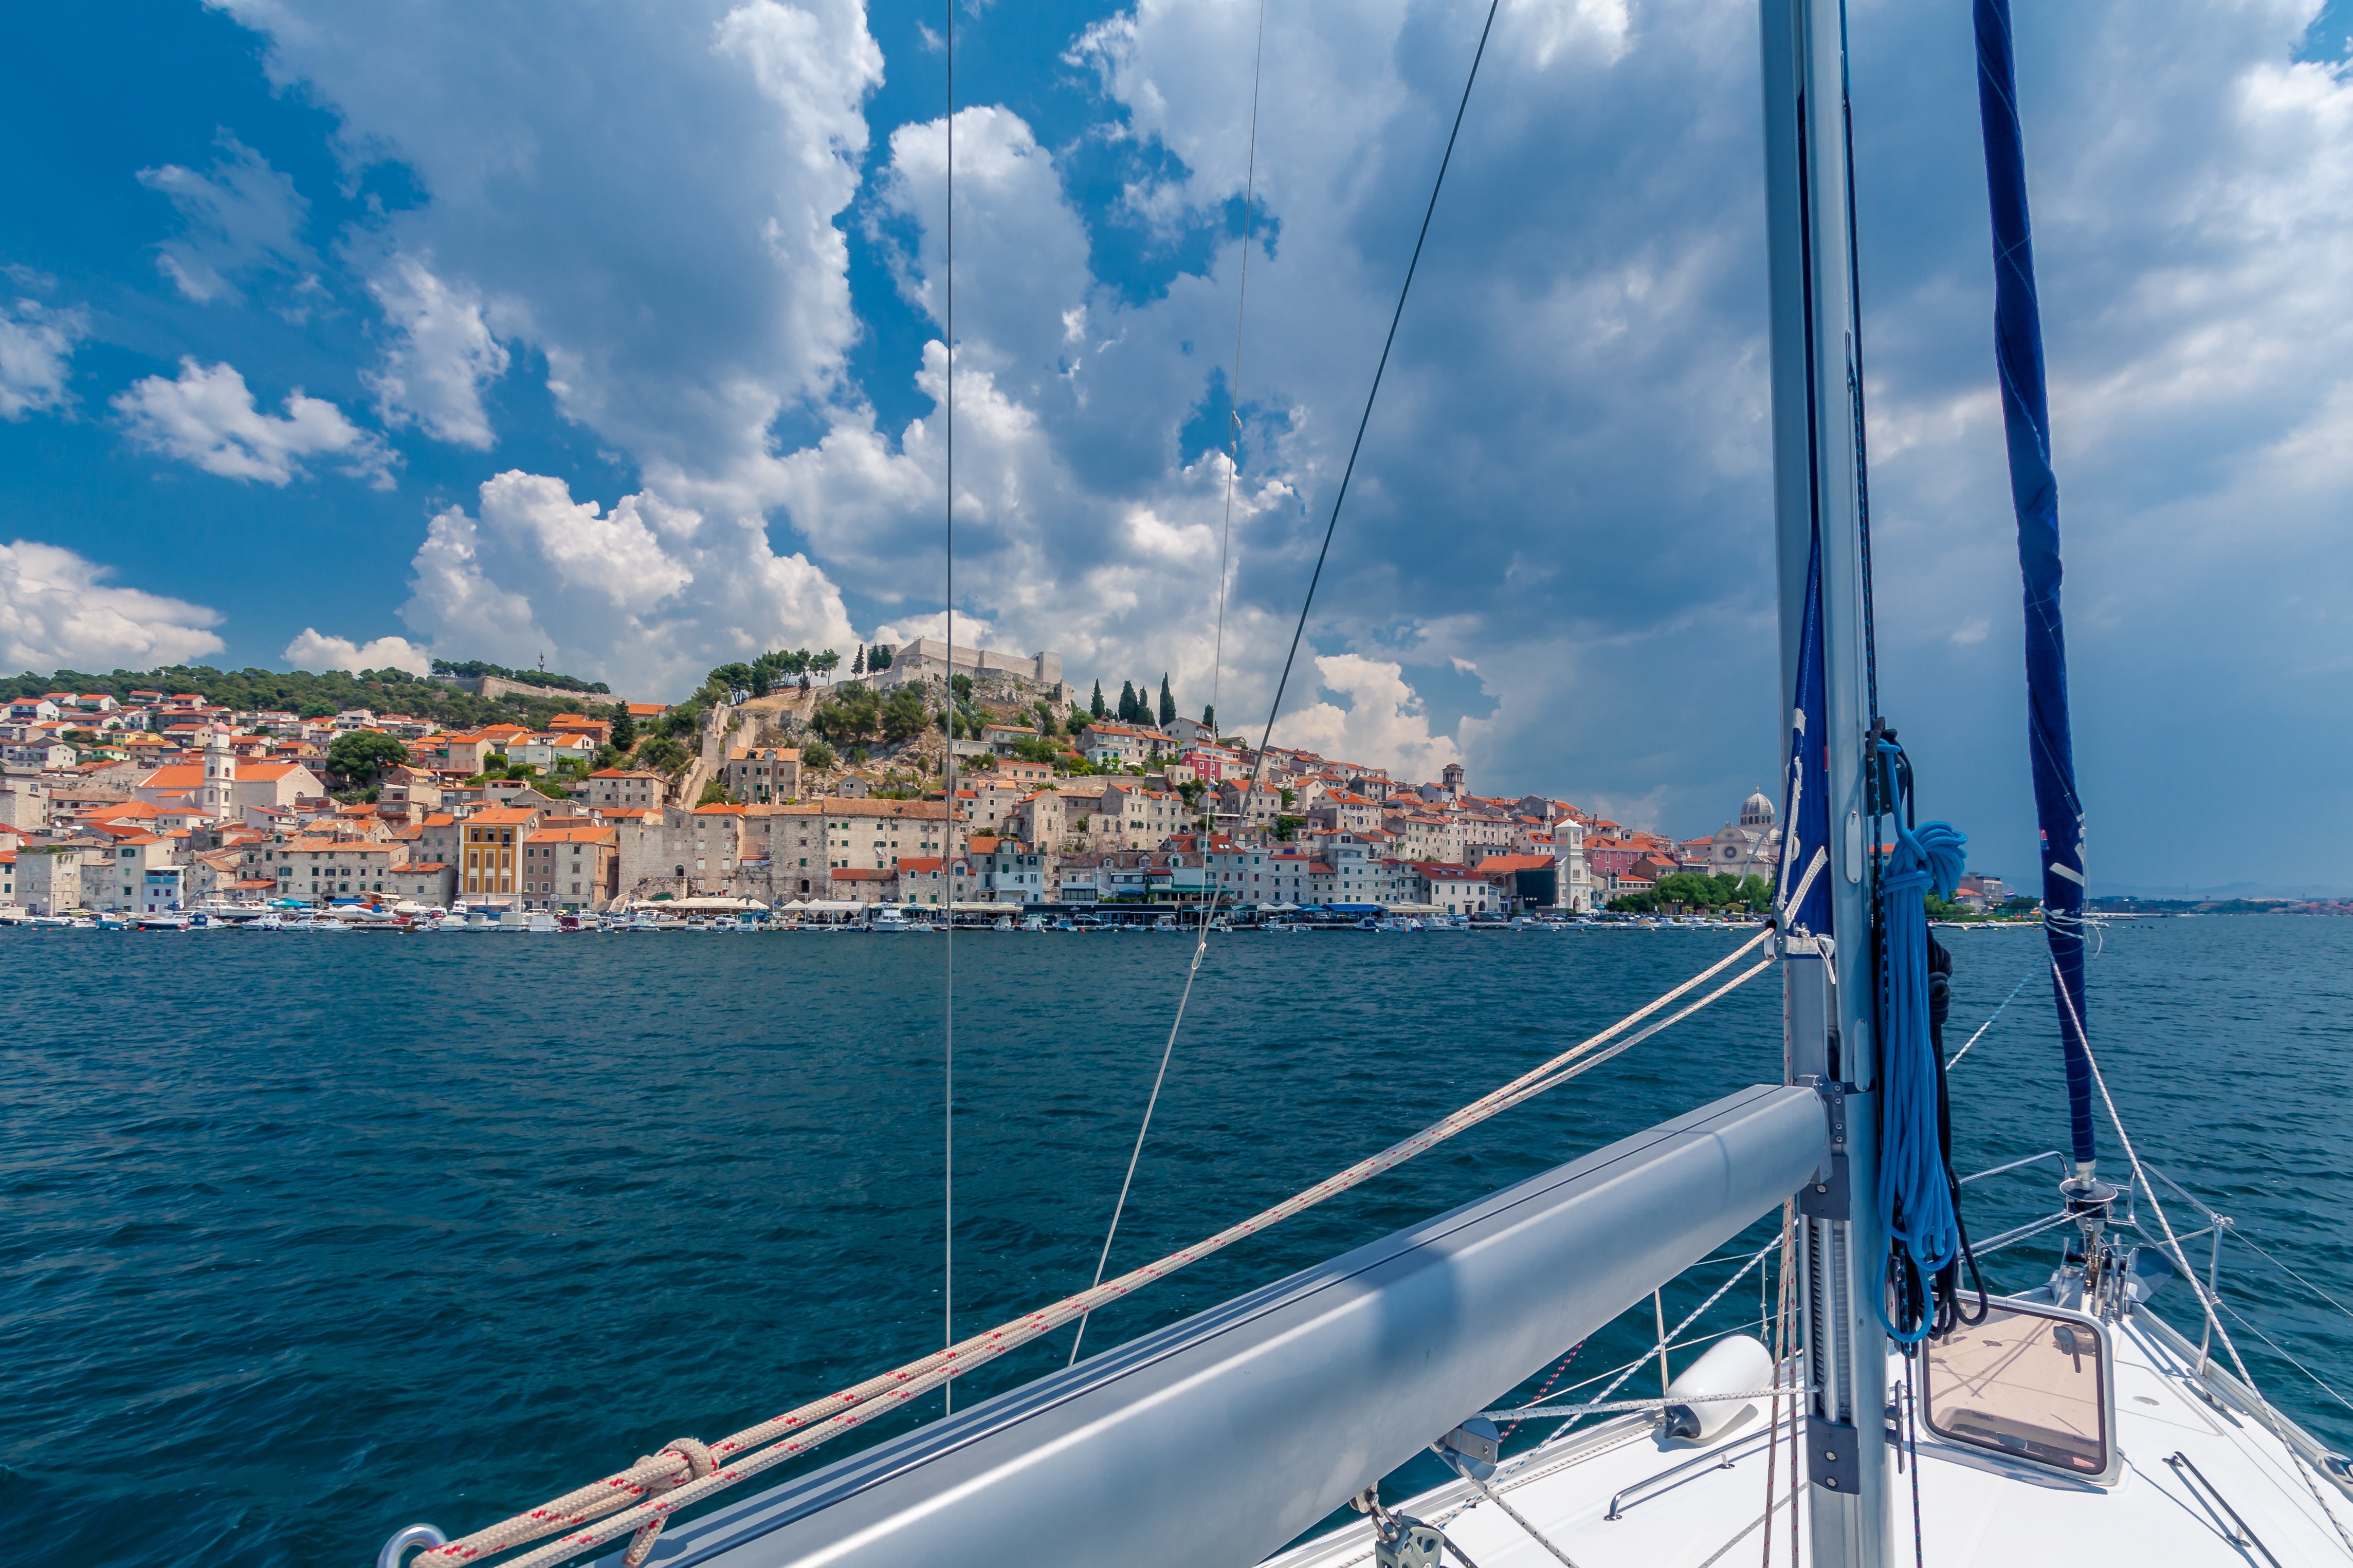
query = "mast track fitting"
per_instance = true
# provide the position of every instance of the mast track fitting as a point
(1828, 1195)
(1834, 1455)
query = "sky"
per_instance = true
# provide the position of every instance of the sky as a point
(613, 334)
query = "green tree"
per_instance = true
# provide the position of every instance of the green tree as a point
(1210, 720)
(962, 686)
(1287, 827)
(816, 754)
(826, 663)
(878, 657)
(625, 729)
(664, 754)
(714, 794)
(858, 662)
(1036, 749)
(904, 713)
(1167, 702)
(1095, 703)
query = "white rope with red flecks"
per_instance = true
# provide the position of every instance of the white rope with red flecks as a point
(639, 1500)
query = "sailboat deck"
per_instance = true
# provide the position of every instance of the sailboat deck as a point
(1691, 1505)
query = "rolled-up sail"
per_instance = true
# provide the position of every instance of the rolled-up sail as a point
(2034, 493)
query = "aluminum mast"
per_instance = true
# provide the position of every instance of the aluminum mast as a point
(1818, 494)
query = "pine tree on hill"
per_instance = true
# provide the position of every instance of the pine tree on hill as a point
(1095, 706)
(1209, 720)
(1127, 702)
(857, 665)
(1167, 702)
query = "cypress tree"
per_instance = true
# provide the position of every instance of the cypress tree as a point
(1209, 720)
(857, 665)
(1095, 707)
(1127, 702)
(1167, 702)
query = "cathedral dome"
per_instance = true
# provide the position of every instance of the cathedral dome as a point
(1757, 811)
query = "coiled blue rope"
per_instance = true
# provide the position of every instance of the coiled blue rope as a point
(1916, 1199)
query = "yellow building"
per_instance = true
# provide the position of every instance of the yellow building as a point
(492, 840)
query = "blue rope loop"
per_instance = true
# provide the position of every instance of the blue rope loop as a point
(1916, 1197)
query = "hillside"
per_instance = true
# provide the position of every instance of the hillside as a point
(314, 696)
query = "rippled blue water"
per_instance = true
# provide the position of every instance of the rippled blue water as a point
(309, 1237)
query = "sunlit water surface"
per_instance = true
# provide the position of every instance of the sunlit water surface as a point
(309, 1237)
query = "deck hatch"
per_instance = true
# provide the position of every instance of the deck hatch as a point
(2030, 1383)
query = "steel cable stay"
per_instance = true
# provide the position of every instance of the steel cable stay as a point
(2283, 1268)
(2181, 1262)
(1665, 1339)
(1532, 1411)
(2252, 1327)
(659, 1485)
(948, 865)
(1990, 1021)
(1216, 671)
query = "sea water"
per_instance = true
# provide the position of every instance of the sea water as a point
(310, 1237)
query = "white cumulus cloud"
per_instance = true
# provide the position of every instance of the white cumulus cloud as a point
(58, 611)
(441, 353)
(208, 417)
(647, 596)
(1383, 724)
(648, 198)
(36, 341)
(315, 650)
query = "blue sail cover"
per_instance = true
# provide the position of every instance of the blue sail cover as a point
(2034, 492)
(1806, 788)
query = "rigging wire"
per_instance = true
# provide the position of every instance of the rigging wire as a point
(947, 1110)
(2292, 1274)
(1274, 708)
(1234, 394)
(1217, 670)
(2181, 1262)
(1671, 1336)
(2283, 1353)
(1307, 604)
(1989, 1023)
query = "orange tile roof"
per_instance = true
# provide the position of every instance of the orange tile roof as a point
(1494, 863)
